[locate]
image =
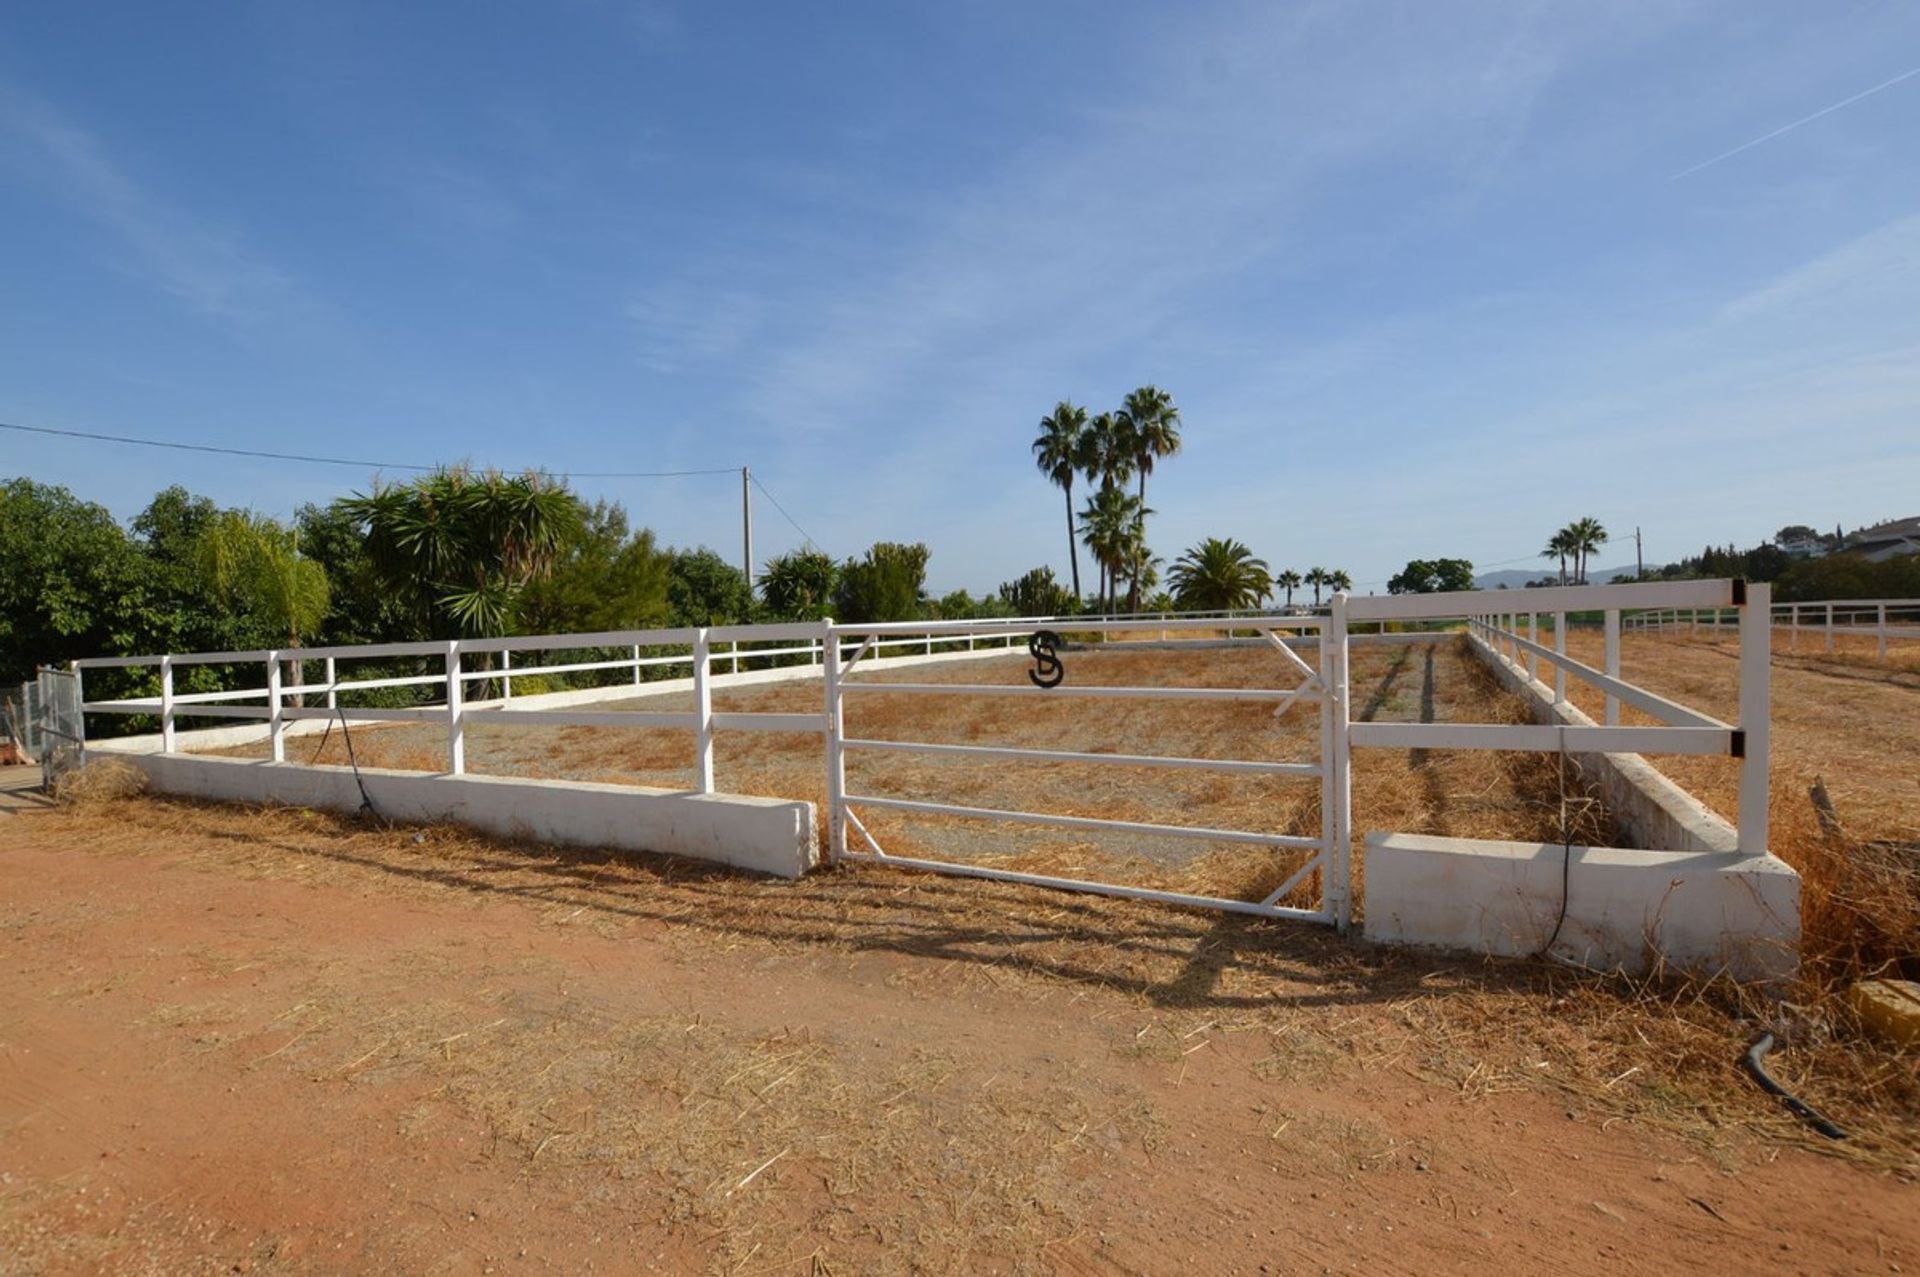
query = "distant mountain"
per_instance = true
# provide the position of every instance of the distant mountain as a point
(1517, 578)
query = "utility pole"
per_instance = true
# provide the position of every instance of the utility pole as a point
(1639, 561)
(746, 526)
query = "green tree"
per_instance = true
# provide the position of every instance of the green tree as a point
(1109, 524)
(72, 583)
(1584, 536)
(1339, 581)
(1318, 578)
(1149, 425)
(1560, 546)
(1218, 575)
(1058, 451)
(458, 546)
(1037, 594)
(1432, 576)
(1289, 580)
(884, 585)
(704, 589)
(603, 577)
(799, 586)
(254, 566)
(361, 609)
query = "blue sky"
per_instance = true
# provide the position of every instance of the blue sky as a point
(1425, 279)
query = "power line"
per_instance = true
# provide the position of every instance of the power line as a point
(765, 491)
(348, 461)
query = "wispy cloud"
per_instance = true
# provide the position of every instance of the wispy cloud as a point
(205, 266)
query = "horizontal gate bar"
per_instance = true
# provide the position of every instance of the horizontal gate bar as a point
(1086, 822)
(1659, 706)
(1543, 739)
(1123, 693)
(1070, 756)
(1093, 888)
(740, 722)
(581, 717)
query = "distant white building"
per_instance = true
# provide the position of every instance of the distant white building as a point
(1884, 541)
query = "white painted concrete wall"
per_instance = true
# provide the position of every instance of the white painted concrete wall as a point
(766, 835)
(1630, 910)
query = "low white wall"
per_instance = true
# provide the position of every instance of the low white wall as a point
(767, 835)
(1630, 910)
(1650, 809)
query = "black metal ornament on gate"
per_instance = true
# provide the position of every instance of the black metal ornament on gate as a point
(1047, 670)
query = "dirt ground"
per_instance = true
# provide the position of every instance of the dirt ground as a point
(237, 1040)
(1464, 794)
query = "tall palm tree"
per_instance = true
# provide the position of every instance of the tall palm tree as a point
(1338, 580)
(1107, 457)
(1108, 525)
(1058, 451)
(1318, 577)
(1151, 425)
(1289, 581)
(1148, 425)
(1559, 546)
(1587, 535)
(1219, 575)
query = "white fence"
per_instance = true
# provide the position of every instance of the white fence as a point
(1823, 621)
(841, 653)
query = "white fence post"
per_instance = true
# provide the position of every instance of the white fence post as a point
(1883, 631)
(702, 712)
(456, 719)
(1612, 666)
(1559, 649)
(1756, 669)
(1829, 628)
(1533, 636)
(836, 732)
(333, 677)
(1338, 886)
(276, 725)
(636, 665)
(166, 704)
(506, 675)
(733, 649)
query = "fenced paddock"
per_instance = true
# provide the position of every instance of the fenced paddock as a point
(1201, 761)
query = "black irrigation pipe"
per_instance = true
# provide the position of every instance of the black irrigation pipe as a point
(1753, 1062)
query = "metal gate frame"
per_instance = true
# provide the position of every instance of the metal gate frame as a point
(1326, 685)
(62, 730)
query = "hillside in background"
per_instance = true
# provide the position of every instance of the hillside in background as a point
(1517, 578)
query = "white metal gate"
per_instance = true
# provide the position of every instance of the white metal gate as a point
(1325, 871)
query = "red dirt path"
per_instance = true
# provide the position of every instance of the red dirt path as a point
(235, 1042)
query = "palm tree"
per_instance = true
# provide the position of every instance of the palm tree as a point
(1148, 425)
(1151, 425)
(1289, 581)
(1317, 577)
(1057, 451)
(1109, 526)
(1107, 455)
(1587, 535)
(458, 546)
(1219, 575)
(1338, 580)
(253, 563)
(1559, 546)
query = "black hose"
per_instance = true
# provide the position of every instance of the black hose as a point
(1752, 1061)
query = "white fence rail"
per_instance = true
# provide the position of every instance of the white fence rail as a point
(455, 670)
(1825, 621)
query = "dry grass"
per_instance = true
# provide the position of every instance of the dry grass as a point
(103, 780)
